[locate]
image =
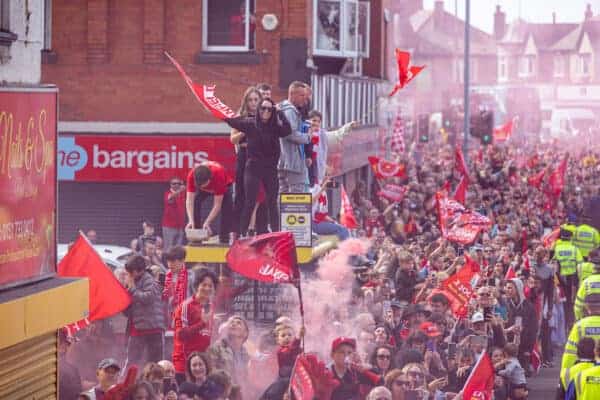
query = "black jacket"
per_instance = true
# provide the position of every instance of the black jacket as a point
(262, 138)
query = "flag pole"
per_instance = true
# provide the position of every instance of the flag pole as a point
(299, 287)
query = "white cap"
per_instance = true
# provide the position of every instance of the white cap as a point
(477, 317)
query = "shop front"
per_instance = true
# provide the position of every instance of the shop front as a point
(34, 302)
(112, 182)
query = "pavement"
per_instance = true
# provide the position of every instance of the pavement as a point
(543, 385)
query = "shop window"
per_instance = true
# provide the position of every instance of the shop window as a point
(6, 36)
(341, 28)
(228, 25)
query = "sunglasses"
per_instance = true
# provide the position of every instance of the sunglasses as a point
(484, 294)
(175, 183)
(383, 357)
(269, 109)
(400, 382)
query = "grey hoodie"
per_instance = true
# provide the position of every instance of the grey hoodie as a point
(290, 159)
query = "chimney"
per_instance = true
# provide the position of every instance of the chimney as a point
(588, 12)
(554, 17)
(499, 23)
(438, 14)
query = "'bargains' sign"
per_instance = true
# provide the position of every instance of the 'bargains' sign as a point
(129, 158)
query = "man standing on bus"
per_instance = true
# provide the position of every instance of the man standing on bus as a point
(210, 178)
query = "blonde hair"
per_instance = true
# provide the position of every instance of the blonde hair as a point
(379, 392)
(244, 107)
(282, 327)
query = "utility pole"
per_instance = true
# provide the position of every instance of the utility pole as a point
(466, 80)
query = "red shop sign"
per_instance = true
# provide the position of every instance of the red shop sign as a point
(133, 158)
(27, 185)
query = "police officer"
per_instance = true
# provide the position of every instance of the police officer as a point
(585, 269)
(585, 327)
(589, 286)
(586, 238)
(587, 382)
(567, 256)
(585, 360)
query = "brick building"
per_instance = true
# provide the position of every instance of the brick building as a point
(122, 102)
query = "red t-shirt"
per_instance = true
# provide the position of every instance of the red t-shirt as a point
(218, 183)
(174, 212)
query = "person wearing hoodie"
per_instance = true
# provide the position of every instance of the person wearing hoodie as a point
(146, 316)
(292, 170)
(522, 321)
(263, 133)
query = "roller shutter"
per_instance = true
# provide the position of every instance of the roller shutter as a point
(28, 370)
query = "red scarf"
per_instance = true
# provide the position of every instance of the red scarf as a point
(179, 294)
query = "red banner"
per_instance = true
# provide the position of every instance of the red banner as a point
(347, 217)
(480, 383)
(504, 132)
(132, 158)
(312, 379)
(406, 72)
(459, 287)
(393, 193)
(28, 182)
(205, 94)
(458, 224)
(386, 169)
(267, 258)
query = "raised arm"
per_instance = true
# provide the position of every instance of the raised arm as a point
(242, 124)
(295, 136)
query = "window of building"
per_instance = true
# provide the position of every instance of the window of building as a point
(47, 24)
(228, 25)
(6, 36)
(341, 28)
(527, 66)
(584, 64)
(4, 16)
(559, 65)
(502, 69)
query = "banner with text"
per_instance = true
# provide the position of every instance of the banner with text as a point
(133, 158)
(28, 182)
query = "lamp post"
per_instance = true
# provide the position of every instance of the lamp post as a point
(466, 80)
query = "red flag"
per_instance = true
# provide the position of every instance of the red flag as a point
(459, 287)
(535, 359)
(394, 193)
(556, 181)
(533, 161)
(510, 273)
(460, 194)
(107, 296)
(311, 379)
(121, 390)
(386, 169)
(205, 94)
(458, 224)
(347, 217)
(397, 142)
(267, 258)
(406, 73)
(504, 132)
(460, 164)
(536, 180)
(549, 239)
(480, 383)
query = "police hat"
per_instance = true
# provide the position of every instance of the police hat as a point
(565, 233)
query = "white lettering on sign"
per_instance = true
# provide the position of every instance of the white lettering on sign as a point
(146, 161)
(278, 275)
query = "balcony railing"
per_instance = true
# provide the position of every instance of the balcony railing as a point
(341, 99)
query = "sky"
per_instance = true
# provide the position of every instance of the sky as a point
(482, 11)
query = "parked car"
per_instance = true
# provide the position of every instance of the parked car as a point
(113, 256)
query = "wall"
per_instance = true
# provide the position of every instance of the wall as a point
(20, 63)
(109, 62)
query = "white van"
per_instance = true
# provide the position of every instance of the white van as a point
(569, 122)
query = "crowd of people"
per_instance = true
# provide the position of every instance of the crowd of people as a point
(376, 310)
